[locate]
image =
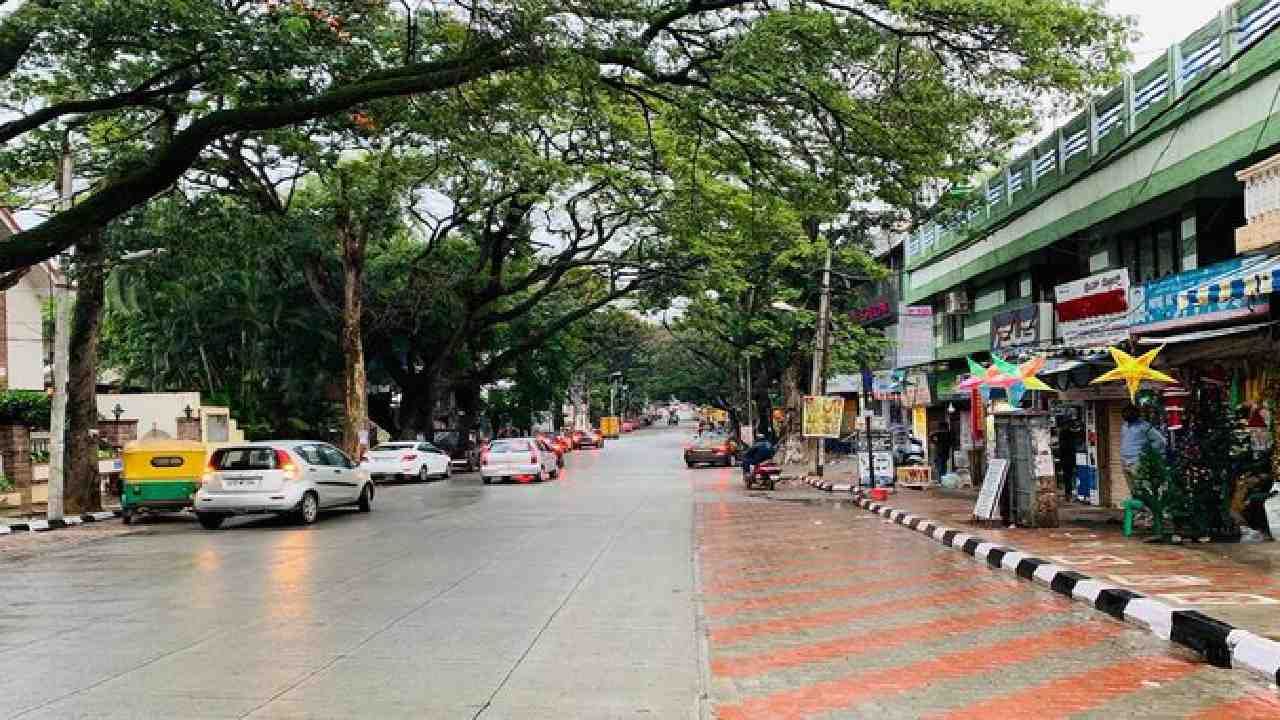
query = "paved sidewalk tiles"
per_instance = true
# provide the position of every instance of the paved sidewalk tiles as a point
(813, 611)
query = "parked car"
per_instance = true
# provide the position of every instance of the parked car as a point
(463, 448)
(712, 448)
(284, 477)
(628, 426)
(406, 461)
(523, 459)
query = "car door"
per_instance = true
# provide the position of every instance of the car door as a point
(340, 486)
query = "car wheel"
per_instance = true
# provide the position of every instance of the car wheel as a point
(424, 475)
(560, 462)
(366, 498)
(210, 521)
(309, 509)
(126, 517)
(555, 473)
(487, 481)
(448, 470)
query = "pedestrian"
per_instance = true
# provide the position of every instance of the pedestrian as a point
(942, 450)
(1136, 435)
(1068, 439)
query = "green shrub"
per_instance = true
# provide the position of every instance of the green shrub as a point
(6, 485)
(24, 407)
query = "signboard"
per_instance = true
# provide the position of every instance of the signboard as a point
(915, 336)
(883, 460)
(916, 390)
(988, 505)
(822, 416)
(1094, 311)
(1016, 328)
(1160, 297)
(878, 309)
(610, 427)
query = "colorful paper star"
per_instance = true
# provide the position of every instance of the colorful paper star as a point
(1133, 370)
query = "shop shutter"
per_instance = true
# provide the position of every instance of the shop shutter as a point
(1115, 466)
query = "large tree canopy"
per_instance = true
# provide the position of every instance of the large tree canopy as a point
(871, 95)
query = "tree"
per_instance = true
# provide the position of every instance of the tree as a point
(857, 72)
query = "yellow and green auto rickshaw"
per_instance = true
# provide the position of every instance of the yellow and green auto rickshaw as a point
(161, 475)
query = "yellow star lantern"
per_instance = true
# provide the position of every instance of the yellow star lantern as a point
(1133, 370)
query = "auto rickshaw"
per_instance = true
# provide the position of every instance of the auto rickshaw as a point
(161, 475)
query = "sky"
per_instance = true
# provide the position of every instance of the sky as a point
(1164, 22)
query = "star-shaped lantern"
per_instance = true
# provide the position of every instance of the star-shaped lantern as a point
(1133, 370)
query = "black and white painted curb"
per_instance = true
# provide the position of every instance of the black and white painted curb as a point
(1219, 643)
(827, 485)
(69, 521)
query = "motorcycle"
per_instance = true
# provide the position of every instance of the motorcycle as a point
(763, 474)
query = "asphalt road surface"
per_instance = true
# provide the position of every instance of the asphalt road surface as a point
(578, 598)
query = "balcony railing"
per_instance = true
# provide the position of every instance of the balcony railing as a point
(1104, 124)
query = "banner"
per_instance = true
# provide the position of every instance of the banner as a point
(1017, 328)
(1094, 311)
(915, 336)
(822, 416)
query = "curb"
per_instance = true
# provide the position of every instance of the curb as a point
(827, 485)
(1219, 643)
(69, 521)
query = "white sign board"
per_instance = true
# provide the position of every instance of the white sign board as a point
(1094, 311)
(884, 468)
(915, 336)
(988, 505)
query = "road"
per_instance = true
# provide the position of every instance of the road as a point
(573, 599)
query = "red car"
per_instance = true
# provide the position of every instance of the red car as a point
(553, 446)
(628, 426)
(564, 442)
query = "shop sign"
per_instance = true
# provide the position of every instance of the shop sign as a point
(945, 382)
(1016, 328)
(878, 309)
(916, 390)
(1094, 311)
(1159, 298)
(915, 335)
(822, 416)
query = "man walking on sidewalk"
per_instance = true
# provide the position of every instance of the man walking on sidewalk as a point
(1135, 436)
(942, 450)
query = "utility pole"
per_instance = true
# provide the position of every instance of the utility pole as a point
(63, 301)
(818, 386)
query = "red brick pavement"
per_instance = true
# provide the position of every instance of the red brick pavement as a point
(818, 611)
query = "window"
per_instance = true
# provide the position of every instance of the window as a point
(334, 457)
(311, 454)
(1012, 287)
(255, 458)
(954, 328)
(509, 446)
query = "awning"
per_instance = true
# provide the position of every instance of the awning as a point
(1256, 279)
(1203, 334)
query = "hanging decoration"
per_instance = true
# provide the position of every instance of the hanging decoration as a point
(1133, 370)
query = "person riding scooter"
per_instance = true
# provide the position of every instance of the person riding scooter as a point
(761, 450)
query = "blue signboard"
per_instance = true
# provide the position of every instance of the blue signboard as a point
(1159, 302)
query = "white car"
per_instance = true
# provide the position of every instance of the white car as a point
(523, 459)
(407, 460)
(284, 477)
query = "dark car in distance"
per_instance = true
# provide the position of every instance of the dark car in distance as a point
(462, 447)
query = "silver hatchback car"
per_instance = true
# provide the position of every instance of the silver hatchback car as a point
(284, 477)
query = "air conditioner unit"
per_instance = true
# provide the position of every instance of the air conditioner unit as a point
(957, 302)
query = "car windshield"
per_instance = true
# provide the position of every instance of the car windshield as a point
(393, 446)
(505, 446)
(255, 458)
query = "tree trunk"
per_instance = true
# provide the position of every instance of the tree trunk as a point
(418, 407)
(355, 385)
(796, 449)
(82, 491)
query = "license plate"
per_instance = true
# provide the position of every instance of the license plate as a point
(241, 483)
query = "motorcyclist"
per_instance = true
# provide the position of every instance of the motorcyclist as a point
(761, 450)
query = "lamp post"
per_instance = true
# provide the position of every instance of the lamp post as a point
(818, 384)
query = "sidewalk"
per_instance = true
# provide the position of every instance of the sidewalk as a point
(1236, 583)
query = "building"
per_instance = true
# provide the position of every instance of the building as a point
(1114, 229)
(23, 345)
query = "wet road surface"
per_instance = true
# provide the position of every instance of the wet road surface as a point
(572, 599)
